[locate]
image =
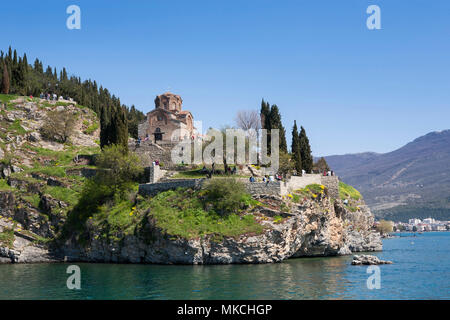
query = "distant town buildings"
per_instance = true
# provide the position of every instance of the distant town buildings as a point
(417, 225)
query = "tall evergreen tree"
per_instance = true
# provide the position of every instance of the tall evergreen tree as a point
(295, 149)
(25, 79)
(275, 123)
(265, 115)
(305, 151)
(5, 79)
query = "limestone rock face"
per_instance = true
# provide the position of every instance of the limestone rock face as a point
(368, 260)
(311, 229)
(314, 228)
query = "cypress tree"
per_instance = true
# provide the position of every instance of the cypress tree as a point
(5, 79)
(275, 123)
(265, 115)
(305, 151)
(295, 149)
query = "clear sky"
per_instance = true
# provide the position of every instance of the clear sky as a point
(353, 89)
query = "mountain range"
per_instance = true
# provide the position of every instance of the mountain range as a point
(412, 181)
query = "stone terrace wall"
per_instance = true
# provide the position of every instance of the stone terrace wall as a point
(273, 188)
(254, 188)
(151, 189)
(332, 184)
(149, 152)
(297, 182)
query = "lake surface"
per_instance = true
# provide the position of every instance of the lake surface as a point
(421, 270)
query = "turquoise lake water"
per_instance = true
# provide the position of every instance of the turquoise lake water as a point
(421, 270)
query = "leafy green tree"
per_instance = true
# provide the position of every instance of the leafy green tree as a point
(305, 151)
(295, 149)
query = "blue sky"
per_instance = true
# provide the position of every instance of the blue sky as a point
(353, 89)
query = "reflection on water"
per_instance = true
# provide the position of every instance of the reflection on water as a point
(420, 271)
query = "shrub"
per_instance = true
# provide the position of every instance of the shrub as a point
(59, 126)
(118, 169)
(226, 195)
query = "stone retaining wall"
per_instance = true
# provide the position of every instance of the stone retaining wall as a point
(332, 184)
(254, 188)
(151, 189)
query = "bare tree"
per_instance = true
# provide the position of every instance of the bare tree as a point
(248, 120)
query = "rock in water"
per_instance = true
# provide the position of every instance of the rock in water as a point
(366, 259)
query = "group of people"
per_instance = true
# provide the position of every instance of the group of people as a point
(52, 97)
(328, 173)
(209, 173)
(266, 179)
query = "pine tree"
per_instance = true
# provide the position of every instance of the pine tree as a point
(295, 149)
(5, 79)
(305, 151)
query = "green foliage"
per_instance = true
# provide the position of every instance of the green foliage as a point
(348, 192)
(271, 119)
(4, 186)
(311, 191)
(295, 149)
(181, 213)
(17, 128)
(277, 219)
(113, 128)
(6, 98)
(286, 165)
(5, 80)
(91, 129)
(305, 151)
(58, 126)
(109, 188)
(67, 195)
(26, 80)
(7, 236)
(32, 199)
(117, 168)
(225, 195)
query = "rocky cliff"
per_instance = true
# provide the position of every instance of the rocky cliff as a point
(41, 181)
(322, 227)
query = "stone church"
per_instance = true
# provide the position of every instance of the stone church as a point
(167, 123)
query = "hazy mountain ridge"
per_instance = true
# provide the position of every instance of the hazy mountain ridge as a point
(413, 180)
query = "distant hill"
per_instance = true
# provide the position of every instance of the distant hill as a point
(413, 181)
